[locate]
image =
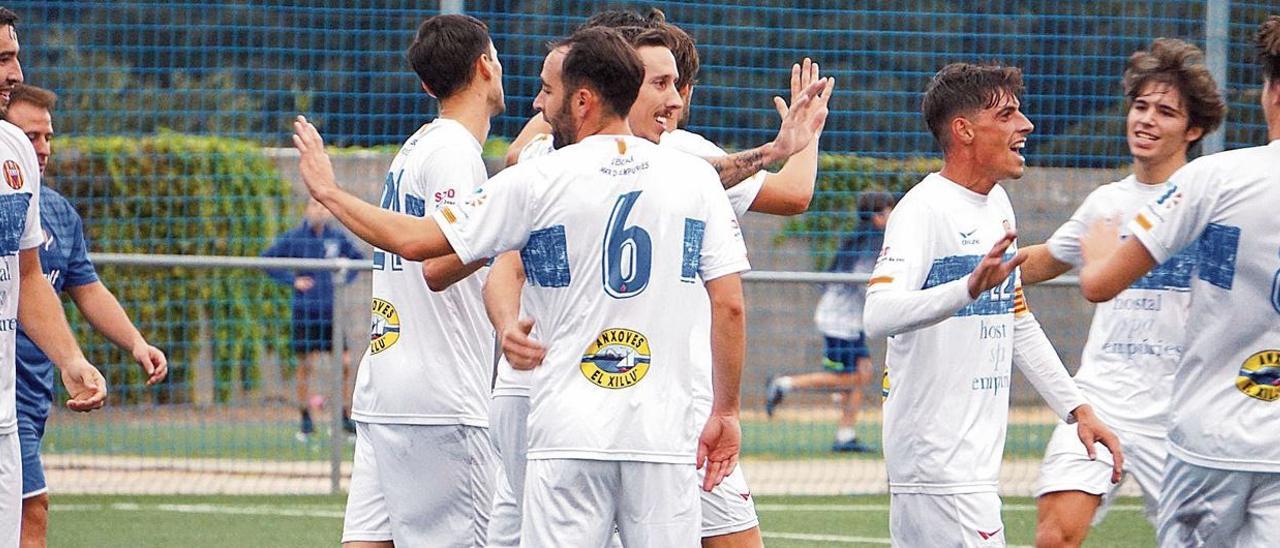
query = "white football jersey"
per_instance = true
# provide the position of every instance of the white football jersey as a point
(948, 403)
(741, 195)
(616, 236)
(511, 382)
(430, 354)
(1136, 339)
(19, 229)
(1227, 386)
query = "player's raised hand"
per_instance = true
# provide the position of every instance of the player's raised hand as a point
(805, 116)
(1091, 430)
(1101, 240)
(522, 351)
(313, 161)
(153, 362)
(85, 384)
(993, 270)
(718, 449)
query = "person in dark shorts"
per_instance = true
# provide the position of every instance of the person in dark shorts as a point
(313, 292)
(846, 361)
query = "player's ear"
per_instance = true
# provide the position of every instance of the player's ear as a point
(961, 130)
(1194, 134)
(484, 66)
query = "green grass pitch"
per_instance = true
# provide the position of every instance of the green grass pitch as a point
(307, 521)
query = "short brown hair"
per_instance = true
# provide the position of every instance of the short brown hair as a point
(964, 88)
(445, 50)
(37, 96)
(1268, 41)
(8, 18)
(599, 59)
(1176, 63)
(682, 47)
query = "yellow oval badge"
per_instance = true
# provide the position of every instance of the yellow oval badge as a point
(1260, 376)
(616, 359)
(385, 330)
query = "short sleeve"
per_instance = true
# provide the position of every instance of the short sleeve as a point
(80, 270)
(495, 218)
(743, 194)
(1177, 218)
(443, 178)
(32, 234)
(1064, 245)
(723, 251)
(902, 264)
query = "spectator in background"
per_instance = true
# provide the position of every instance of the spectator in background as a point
(65, 263)
(313, 306)
(846, 361)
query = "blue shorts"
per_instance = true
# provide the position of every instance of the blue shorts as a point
(30, 432)
(842, 355)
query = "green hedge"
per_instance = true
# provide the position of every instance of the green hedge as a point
(841, 178)
(190, 195)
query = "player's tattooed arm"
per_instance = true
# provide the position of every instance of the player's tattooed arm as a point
(800, 124)
(737, 167)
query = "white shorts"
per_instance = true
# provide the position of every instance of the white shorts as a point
(420, 485)
(10, 490)
(1067, 467)
(1210, 507)
(579, 501)
(508, 424)
(945, 521)
(728, 508)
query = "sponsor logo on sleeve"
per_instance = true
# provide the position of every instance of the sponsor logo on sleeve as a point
(385, 330)
(1259, 376)
(616, 358)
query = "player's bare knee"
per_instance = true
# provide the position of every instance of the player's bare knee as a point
(1051, 533)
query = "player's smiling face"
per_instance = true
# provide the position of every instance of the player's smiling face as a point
(658, 104)
(999, 135)
(1157, 124)
(10, 69)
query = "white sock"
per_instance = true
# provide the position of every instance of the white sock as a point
(784, 383)
(846, 435)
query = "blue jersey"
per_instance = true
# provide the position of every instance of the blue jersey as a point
(302, 242)
(65, 262)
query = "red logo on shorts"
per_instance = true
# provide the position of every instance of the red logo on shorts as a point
(987, 536)
(13, 174)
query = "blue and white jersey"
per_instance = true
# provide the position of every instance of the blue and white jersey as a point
(945, 417)
(1136, 339)
(617, 236)
(430, 358)
(64, 258)
(19, 229)
(1227, 386)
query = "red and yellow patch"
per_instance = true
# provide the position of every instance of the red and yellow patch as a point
(13, 174)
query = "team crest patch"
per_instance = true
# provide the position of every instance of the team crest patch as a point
(1260, 376)
(617, 358)
(13, 174)
(385, 330)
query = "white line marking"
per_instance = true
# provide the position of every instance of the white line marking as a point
(842, 538)
(885, 507)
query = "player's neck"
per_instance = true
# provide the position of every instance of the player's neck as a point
(1157, 172)
(472, 111)
(968, 175)
(605, 125)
